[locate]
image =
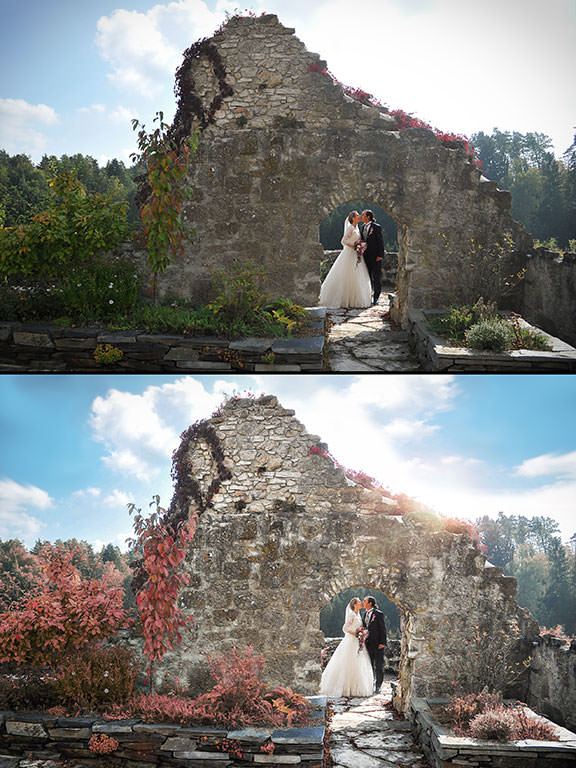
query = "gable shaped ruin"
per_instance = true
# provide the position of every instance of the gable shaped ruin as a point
(282, 145)
(286, 530)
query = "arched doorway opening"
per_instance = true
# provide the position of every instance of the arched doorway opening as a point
(332, 619)
(330, 235)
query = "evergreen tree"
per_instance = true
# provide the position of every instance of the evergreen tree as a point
(557, 597)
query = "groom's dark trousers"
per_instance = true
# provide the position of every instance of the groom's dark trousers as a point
(376, 637)
(373, 257)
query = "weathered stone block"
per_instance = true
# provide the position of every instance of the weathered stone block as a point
(31, 730)
(29, 339)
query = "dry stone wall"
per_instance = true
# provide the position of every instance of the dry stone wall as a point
(288, 145)
(550, 293)
(288, 530)
(553, 680)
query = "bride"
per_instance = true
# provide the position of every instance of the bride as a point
(349, 671)
(348, 282)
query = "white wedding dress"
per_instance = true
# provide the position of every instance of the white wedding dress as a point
(348, 282)
(348, 673)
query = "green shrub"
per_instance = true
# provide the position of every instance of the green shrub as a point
(454, 323)
(489, 334)
(239, 291)
(106, 354)
(101, 290)
(527, 338)
(30, 301)
(74, 227)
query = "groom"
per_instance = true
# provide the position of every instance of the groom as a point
(372, 233)
(373, 620)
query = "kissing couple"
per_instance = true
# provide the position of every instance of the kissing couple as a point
(357, 665)
(355, 278)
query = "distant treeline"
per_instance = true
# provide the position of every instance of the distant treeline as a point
(543, 188)
(531, 550)
(24, 188)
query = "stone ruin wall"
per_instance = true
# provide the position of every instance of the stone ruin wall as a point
(289, 531)
(552, 689)
(289, 146)
(549, 299)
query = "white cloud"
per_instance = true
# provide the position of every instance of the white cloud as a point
(88, 492)
(117, 499)
(144, 49)
(15, 501)
(19, 125)
(461, 67)
(380, 425)
(140, 432)
(98, 109)
(556, 500)
(562, 465)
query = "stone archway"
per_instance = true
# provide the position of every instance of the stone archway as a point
(286, 144)
(287, 529)
(390, 232)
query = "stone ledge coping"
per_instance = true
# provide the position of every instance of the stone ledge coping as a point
(436, 355)
(45, 347)
(32, 733)
(441, 745)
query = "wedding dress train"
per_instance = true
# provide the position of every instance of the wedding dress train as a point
(347, 284)
(349, 672)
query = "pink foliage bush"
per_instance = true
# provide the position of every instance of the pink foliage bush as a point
(238, 698)
(96, 676)
(493, 725)
(102, 744)
(64, 612)
(485, 716)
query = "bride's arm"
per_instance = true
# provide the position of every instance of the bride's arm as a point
(349, 238)
(349, 627)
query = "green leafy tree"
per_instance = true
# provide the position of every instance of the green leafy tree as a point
(75, 226)
(24, 188)
(557, 596)
(165, 163)
(541, 186)
(498, 537)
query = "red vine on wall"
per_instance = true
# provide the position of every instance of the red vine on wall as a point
(162, 545)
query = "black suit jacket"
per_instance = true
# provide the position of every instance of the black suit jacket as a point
(374, 243)
(376, 630)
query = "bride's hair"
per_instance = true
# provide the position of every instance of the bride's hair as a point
(353, 602)
(351, 215)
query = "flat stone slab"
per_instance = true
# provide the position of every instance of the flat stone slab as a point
(299, 736)
(312, 345)
(252, 345)
(250, 735)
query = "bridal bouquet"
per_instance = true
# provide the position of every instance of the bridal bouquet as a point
(359, 247)
(361, 634)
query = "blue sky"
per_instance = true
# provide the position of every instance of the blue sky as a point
(74, 450)
(73, 74)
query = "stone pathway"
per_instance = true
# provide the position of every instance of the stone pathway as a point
(364, 340)
(364, 734)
